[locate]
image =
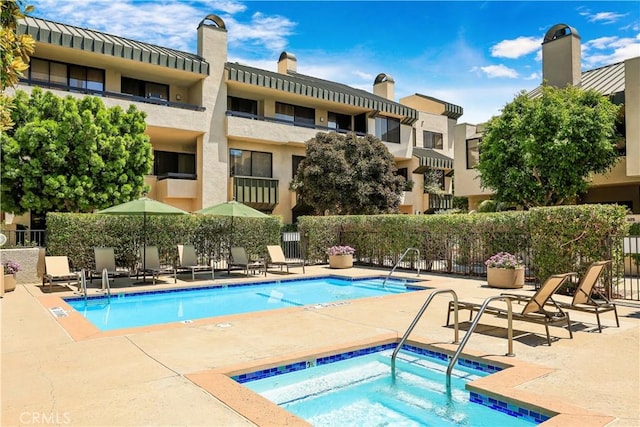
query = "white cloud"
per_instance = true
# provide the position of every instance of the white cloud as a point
(515, 48)
(269, 31)
(609, 50)
(500, 70)
(604, 17)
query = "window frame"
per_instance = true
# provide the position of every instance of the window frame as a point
(386, 133)
(430, 139)
(476, 158)
(64, 72)
(252, 166)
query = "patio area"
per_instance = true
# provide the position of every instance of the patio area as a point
(54, 373)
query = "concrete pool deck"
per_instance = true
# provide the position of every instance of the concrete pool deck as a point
(173, 375)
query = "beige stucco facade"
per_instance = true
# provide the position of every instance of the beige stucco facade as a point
(195, 119)
(561, 67)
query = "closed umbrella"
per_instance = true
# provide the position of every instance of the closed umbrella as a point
(143, 206)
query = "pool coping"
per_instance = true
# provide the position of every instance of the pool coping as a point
(501, 385)
(80, 328)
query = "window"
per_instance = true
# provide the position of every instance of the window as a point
(242, 105)
(143, 88)
(75, 76)
(388, 129)
(360, 123)
(250, 163)
(295, 162)
(294, 113)
(167, 164)
(432, 139)
(473, 152)
(338, 121)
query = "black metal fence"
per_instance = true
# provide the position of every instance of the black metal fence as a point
(26, 237)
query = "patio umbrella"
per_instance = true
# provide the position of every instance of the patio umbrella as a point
(232, 209)
(143, 206)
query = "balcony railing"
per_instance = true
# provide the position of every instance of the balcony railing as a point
(288, 122)
(106, 94)
(439, 202)
(259, 193)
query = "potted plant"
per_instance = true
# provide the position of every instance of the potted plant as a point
(340, 256)
(504, 271)
(10, 270)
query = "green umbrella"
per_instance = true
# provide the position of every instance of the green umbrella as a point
(232, 209)
(143, 206)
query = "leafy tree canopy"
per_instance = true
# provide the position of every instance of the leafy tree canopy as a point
(14, 53)
(348, 175)
(72, 155)
(542, 151)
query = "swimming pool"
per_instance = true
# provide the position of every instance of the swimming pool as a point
(128, 310)
(356, 388)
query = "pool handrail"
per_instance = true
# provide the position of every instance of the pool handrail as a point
(105, 281)
(510, 352)
(399, 261)
(415, 322)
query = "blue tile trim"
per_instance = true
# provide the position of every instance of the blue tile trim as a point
(226, 285)
(510, 409)
(498, 405)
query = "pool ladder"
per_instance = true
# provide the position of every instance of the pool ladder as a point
(453, 360)
(400, 260)
(105, 285)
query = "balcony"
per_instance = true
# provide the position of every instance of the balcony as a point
(439, 202)
(172, 186)
(269, 129)
(117, 95)
(259, 193)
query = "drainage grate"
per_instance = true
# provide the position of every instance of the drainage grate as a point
(58, 312)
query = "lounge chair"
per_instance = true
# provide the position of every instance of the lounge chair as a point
(105, 258)
(276, 257)
(534, 311)
(57, 268)
(189, 261)
(582, 300)
(152, 264)
(239, 258)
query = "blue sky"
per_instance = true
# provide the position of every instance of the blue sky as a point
(478, 55)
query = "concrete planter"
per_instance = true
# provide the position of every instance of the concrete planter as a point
(505, 278)
(31, 261)
(9, 283)
(340, 261)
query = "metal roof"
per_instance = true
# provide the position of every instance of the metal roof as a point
(606, 80)
(64, 35)
(450, 110)
(431, 159)
(313, 87)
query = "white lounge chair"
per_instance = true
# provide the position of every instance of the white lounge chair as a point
(239, 258)
(189, 261)
(276, 257)
(152, 264)
(57, 268)
(105, 258)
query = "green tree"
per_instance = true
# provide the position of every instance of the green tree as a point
(541, 151)
(14, 54)
(72, 155)
(348, 175)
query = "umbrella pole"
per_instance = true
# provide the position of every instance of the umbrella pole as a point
(144, 248)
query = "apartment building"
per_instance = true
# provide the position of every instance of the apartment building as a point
(226, 131)
(561, 66)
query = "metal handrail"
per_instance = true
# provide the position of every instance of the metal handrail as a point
(415, 322)
(399, 261)
(105, 279)
(510, 352)
(83, 284)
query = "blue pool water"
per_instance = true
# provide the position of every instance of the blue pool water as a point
(353, 389)
(183, 305)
